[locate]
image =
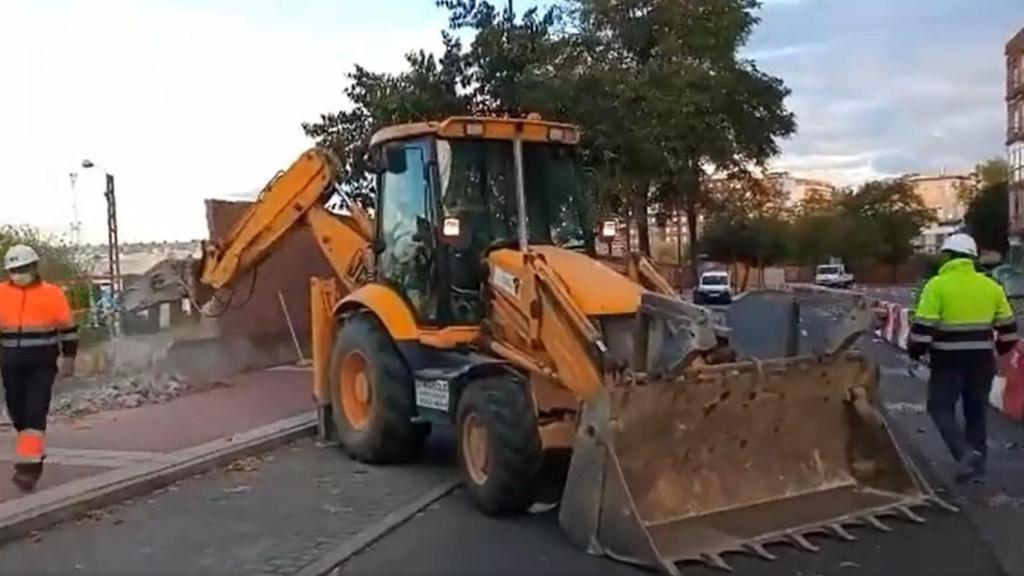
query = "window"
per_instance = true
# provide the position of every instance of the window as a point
(405, 230)
(1015, 160)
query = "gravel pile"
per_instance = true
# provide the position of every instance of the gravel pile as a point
(117, 392)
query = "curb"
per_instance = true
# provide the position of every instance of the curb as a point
(24, 515)
(327, 565)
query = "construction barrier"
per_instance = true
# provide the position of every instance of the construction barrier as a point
(1007, 394)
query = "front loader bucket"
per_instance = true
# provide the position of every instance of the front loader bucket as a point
(734, 457)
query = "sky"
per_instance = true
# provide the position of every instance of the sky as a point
(184, 100)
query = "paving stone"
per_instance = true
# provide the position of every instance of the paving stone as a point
(278, 526)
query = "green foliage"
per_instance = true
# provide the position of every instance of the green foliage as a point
(673, 98)
(58, 260)
(995, 170)
(881, 220)
(988, 217)
(59, 263)
(656, 84)
(428, 89)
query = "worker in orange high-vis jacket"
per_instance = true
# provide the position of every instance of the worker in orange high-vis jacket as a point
(38, 340)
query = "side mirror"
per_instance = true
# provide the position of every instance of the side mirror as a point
(388, 158)
(394, 158)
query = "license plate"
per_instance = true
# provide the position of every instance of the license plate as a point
(432, 394)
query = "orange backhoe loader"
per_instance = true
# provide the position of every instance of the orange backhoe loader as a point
(473, 298)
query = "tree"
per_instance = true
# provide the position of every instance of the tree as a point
(693, 104)
(881, 219)
(988, 217)
(995, 170)
(59, 262)
(429, 89)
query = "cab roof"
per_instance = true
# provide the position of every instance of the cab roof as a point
(531, 129)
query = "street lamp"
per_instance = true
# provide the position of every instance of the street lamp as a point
(113, 247)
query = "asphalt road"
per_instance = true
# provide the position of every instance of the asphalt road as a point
(270, 515)
(451, 538)
(276, 514)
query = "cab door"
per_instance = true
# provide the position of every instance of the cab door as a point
(406, 245)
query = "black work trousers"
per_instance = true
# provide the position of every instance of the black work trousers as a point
(966, 377)
(28, 386)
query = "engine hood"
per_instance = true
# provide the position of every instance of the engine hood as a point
(596, 288)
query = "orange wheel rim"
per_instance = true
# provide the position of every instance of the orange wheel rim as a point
(474, 448)
(356, 390)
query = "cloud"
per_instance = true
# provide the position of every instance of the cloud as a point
(180, 100)
(908, 86)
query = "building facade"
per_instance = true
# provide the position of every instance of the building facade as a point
(797, 188)
(941, 193)
(1015, 131)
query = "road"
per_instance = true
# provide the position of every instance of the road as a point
(277, 514)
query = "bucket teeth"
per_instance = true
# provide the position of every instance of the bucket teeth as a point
(873, 520)
(802, 541)
(942, 504)
(842, 533)
(761, 551)
(911, 515)
(716, 561)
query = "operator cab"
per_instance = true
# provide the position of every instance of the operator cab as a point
(447, 195)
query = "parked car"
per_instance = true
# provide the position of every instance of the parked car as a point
(833, 276)
(713, 288)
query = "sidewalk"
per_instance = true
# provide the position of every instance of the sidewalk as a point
(995, 507)
(82, 454)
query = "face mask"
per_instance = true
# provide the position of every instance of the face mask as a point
(22, 278)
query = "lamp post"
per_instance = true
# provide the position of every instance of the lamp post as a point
(113, 247)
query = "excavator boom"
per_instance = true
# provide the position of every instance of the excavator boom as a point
(293, 198)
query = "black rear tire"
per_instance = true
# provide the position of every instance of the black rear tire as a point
(514, 452)
(389, 434)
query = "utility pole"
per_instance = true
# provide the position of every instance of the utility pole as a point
(113, 251)
(76, 224)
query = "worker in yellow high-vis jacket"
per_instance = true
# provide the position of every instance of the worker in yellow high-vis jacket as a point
(962, 318)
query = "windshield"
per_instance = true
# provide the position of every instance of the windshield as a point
(828, 270)
(478, 187)
(715, 280)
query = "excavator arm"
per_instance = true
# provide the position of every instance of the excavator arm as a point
(293, 198)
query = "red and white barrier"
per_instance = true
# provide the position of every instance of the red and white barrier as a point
(1007, 387)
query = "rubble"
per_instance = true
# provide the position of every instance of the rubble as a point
(115, 392)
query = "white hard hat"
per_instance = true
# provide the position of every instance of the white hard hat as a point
(961, 244)
(19, 255)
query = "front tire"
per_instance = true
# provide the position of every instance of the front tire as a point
(499, 445)
(372, 398)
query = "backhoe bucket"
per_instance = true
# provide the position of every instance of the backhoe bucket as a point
(734, 457)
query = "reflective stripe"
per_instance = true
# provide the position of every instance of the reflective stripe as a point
(1011, 321)
(975, 345)
(68, 336)
(28, 331)
(1008, 337)
(965, 327)
(30, 446)
(918, 337)
(8, 342)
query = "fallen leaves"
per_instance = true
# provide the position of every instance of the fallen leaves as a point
(247, 464)
(237, 489)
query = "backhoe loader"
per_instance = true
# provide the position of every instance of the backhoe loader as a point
(473, 298)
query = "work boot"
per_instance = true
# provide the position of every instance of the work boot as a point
(971, 467)
(26, 475)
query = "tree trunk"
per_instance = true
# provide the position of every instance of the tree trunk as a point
(691, 231)
(642, 219)
(680, 259)
(629, 231)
